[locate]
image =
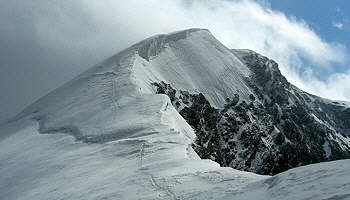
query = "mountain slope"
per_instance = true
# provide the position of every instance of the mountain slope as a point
(109, 134)
(187, 59)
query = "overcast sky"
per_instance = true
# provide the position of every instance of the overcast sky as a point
(46, 43)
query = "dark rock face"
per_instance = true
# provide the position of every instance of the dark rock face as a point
(278, 128)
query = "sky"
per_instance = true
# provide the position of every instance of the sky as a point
(330, 20)
(44, 44)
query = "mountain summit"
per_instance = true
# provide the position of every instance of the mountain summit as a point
(136, 125)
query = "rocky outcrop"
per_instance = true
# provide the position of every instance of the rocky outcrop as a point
(279, 128)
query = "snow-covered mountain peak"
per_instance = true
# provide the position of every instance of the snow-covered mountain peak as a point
(152, 46)
(134, 126)
(191, 60)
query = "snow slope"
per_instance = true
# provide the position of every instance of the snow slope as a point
(328, 180)
(107, 135)
(55, 166)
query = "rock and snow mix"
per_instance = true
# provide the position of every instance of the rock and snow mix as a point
(107, 134)
(269, 128)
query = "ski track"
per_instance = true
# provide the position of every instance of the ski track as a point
(164, 189)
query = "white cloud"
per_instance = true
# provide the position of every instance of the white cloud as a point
(338, 25)
(238, 24)
(336, 87)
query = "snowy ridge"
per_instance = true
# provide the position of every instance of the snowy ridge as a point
(151, 47)
(106, 134)
(185, 60)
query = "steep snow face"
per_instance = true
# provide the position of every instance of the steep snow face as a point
(193, 61)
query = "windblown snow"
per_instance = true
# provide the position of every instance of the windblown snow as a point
(107, 134)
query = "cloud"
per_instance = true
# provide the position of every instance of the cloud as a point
(238, 24)
(338, 25)
(50, 42)
(336, 87)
